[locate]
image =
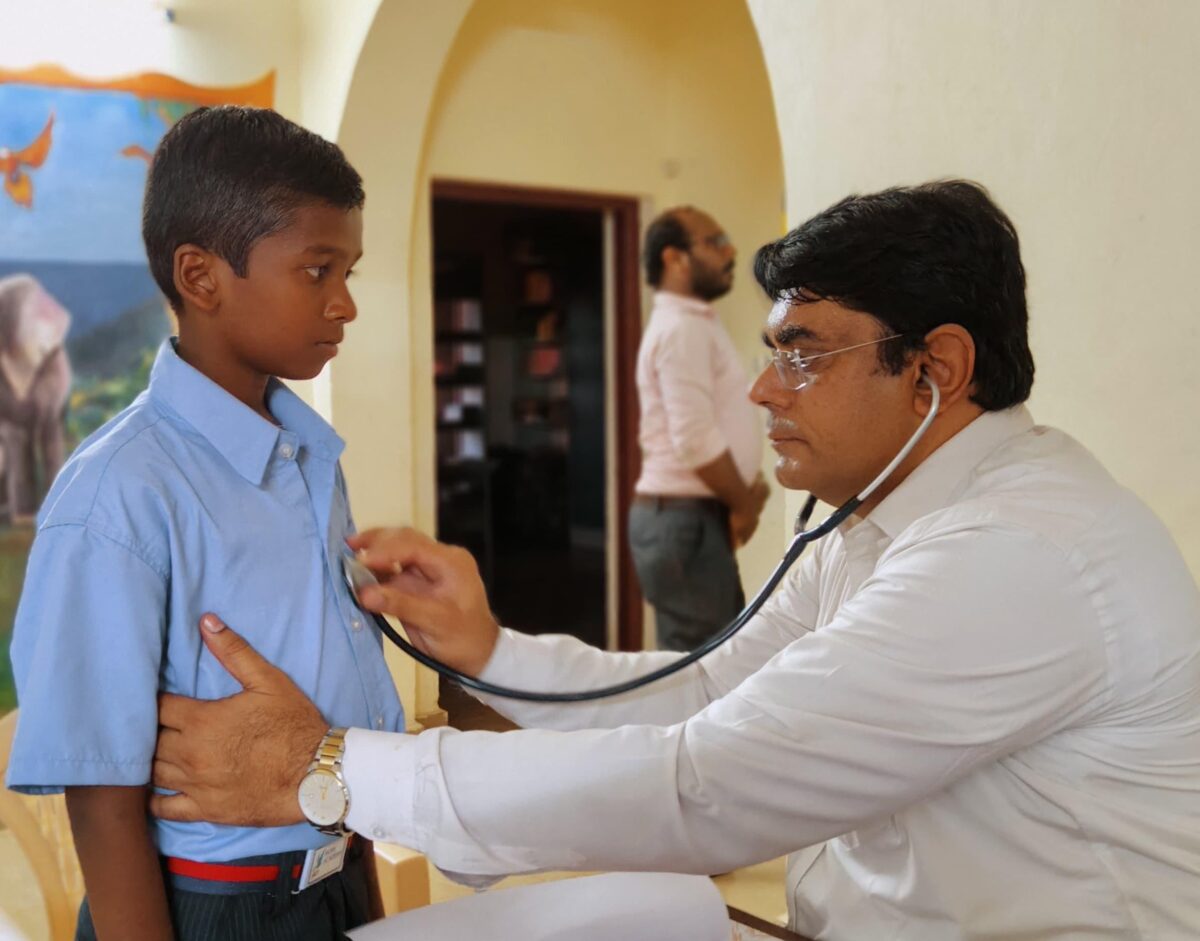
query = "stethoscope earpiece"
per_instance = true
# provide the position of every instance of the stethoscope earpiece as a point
(359, 576)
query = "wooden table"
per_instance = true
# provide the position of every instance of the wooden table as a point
(752, 921)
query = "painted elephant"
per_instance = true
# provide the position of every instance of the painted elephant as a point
(35, 380)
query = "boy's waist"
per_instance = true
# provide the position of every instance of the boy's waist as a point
(273, 873)
(213, 843)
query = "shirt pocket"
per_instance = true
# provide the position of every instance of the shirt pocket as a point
(884, 836)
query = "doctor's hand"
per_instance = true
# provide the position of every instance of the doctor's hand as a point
(237, 760)
(434, 590)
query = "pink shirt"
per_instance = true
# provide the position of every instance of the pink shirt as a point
(694, 399)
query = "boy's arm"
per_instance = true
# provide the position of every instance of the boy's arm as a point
(120, 863)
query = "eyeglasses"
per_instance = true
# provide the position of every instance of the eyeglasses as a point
(795, 371)
(718, 241)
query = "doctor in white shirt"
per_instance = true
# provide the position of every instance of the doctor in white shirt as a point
(971, 712)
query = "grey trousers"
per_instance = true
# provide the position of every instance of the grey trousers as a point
(686, 567)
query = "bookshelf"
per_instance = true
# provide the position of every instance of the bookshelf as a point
(519, 355)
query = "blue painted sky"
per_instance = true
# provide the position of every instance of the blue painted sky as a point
(87, 197)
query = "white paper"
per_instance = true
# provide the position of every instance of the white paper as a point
(623, 906)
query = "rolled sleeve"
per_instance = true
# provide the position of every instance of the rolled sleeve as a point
(685, 368)
(87, 650)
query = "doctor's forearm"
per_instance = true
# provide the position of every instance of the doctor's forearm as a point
(492, 804)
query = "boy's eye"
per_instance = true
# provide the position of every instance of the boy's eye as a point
(316, 272)
(350, 273)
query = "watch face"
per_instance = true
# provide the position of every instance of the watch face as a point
(322, 798)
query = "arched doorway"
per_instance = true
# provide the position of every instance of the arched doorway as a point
(661, 103)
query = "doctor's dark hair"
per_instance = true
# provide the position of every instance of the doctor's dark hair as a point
(915, 258)
(223, 178)
(666, 231)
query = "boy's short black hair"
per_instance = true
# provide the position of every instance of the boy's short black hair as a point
(225, 177)
(916, 257)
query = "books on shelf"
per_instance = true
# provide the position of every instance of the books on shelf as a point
(543, 362)
(449, 358)
(458, 315)
(465, 444)
(467, 354)
(459, 403)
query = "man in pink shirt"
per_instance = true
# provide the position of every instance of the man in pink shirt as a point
(700, 493)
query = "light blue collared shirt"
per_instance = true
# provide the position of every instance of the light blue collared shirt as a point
(184, 503)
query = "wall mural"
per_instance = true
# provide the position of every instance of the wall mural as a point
(80, 314)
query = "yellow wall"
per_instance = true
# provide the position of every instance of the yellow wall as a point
(1080, 116)
(667, 102)
(1077, 114)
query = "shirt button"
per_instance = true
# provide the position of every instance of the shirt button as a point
(286, 451)
(356, 623)
(379, 722)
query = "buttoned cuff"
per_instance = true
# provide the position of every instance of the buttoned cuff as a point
(380, 773)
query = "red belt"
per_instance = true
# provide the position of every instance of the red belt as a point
(224, 872)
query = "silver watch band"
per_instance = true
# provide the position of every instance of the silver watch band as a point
(328, 758)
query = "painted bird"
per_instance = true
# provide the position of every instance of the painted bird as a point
(17, 182)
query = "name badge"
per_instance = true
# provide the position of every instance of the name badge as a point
(323, 862)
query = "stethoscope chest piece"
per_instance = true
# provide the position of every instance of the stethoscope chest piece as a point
(357, 576)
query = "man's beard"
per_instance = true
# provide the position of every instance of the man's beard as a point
(709, 284)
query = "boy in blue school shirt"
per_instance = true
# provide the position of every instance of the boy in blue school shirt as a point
(217, 489)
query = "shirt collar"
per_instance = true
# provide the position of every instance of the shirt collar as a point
(245, 439)
(939, 479)
(685, 305)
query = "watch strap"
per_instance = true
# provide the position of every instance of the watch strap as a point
(328, 758)
(330, 752)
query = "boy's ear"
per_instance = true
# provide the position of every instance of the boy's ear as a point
(196, 277)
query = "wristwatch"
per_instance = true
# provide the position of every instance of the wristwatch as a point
(324, 797)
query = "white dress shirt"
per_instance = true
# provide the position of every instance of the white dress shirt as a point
(692, 392)
(979, 708)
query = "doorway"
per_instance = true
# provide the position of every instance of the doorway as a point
(536, 324)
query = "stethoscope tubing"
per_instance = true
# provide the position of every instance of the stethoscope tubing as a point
(798, 544)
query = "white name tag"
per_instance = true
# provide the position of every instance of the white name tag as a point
(323, 862)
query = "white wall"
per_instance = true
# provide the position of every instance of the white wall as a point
(1081, 117)
(211, 42)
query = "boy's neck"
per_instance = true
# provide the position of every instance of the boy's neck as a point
(246, 385)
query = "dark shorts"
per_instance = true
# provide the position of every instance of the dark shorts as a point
(203, 911)
(686, 568)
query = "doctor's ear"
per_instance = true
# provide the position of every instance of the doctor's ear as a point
(948, 361)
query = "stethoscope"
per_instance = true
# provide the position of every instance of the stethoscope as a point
(359, 576)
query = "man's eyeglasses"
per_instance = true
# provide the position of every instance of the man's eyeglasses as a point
(718, 241)
(796, 372)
